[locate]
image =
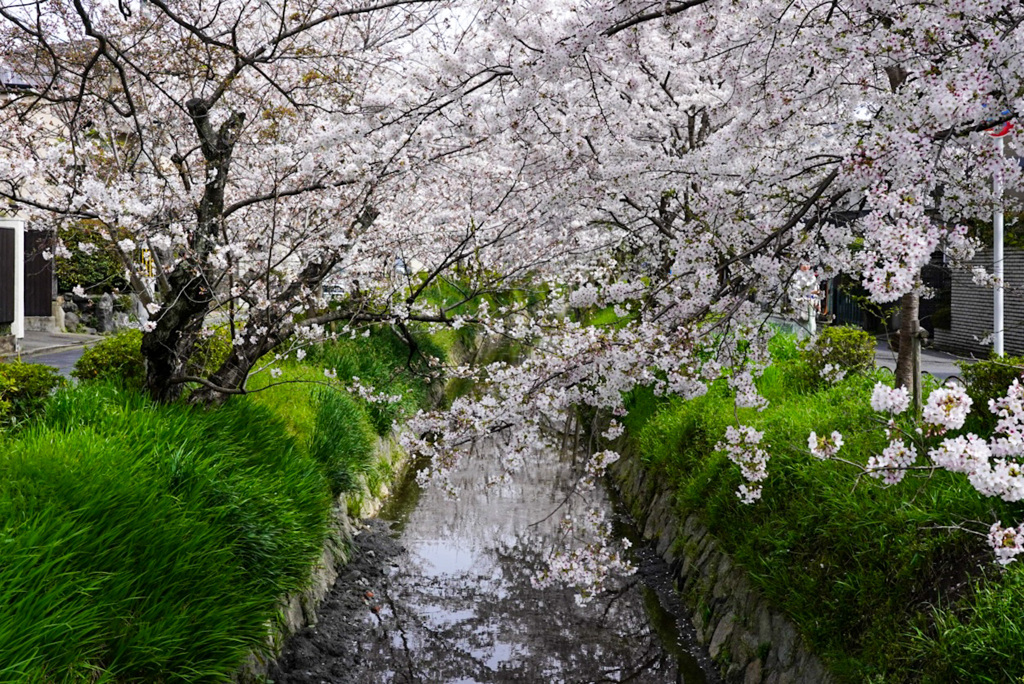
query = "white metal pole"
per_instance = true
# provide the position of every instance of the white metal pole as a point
(18, 327)
(997, 257)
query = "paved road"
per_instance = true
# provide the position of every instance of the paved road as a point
(940, 364)
(63, 361)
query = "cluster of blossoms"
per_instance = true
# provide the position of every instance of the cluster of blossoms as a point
(1007, 542)
(947, 408)
(1010, 410)
(585, 566)
(892, 463)
(368, 393)
(824, 447)
(890, 400)
(832, 373)
(992, 466)
(595, 467)
(741, 446)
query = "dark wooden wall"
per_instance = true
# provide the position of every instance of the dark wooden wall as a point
(39, 287)
(38, 274)
(6, 276)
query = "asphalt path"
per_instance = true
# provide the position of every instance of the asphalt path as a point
(63, 361)
(939, 364)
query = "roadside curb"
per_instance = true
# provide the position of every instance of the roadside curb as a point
(4, 358)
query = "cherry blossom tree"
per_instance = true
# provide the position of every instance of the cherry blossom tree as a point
(707, 149)
(249, 149)
(671, 162)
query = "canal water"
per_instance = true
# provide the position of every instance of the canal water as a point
(452, 599)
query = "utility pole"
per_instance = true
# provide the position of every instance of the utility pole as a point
(997, 246)
(997, 257)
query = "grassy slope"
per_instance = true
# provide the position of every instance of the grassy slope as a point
(867, 572)
(151, 543)
(145, 542)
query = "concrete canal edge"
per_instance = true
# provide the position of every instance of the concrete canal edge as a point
(298, 611)
(749, 641)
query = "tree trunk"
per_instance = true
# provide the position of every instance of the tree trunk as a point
(909, 306)
(168, 348)
(230, 376)
(263, 331)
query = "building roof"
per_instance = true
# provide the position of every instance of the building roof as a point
(12, 80)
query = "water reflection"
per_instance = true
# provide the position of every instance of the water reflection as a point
(460, 606)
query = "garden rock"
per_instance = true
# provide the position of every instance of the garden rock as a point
(105, 313)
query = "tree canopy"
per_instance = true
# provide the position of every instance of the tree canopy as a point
(675, 162)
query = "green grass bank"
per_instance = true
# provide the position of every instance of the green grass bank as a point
(872, 576)
(144, 543)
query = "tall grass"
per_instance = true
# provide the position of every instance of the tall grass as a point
(149, 543)
(343, 441)
(143, 543)
(872, 575)
(385, 361)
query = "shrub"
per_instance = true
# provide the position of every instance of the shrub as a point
(117, 358)
(24, 387)
(988, 380)
(838, 351)
(6, 386)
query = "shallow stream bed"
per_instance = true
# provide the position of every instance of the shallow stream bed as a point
(440, 591)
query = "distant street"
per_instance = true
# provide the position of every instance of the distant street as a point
(940, 364)
(63, 361)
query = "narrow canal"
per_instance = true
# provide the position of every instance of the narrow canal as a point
(440, 591)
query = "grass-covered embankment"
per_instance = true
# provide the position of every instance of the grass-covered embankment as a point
(872, 576)
(340, 430)
(149, 543)
(143, 542)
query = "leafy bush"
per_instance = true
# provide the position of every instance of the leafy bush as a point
(343, 440)
(92, 269)
(6, 386)
(838, 351)
(149, 543)
(988, 380)
(117, 358)
(24, 387)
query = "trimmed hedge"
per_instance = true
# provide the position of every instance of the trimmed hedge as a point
(836, 352)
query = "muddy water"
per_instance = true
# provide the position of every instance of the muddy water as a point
(453, 602)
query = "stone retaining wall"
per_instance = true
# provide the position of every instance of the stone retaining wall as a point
(300, 610)
(749, 641)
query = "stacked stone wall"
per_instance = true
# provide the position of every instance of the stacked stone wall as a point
(749, 641)
(300, 610)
